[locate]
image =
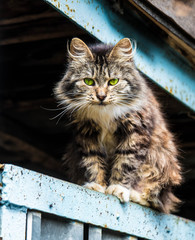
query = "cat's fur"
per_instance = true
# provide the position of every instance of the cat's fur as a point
(121, 142)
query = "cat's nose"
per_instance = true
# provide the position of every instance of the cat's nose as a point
(101, 97)
(101, 94)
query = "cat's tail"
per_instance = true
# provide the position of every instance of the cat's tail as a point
(167, 201)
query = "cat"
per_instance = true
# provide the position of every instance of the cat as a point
(121, 144)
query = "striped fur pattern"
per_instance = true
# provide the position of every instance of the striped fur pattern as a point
(121, 142)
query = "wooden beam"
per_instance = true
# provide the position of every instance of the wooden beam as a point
(22, 152)
(28, 18)
(71, 201)
(43, 29)
(178, 38)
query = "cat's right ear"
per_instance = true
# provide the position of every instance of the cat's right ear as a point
(123, 50)
(78, 49)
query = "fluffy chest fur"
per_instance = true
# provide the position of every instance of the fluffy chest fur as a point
(107, 140)
(106, 119)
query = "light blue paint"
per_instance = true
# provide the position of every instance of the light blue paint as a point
(154, 57)
(12, 223)
(46, 194)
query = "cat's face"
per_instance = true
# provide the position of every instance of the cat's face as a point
(99, 79)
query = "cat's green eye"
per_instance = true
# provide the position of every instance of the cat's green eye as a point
(113, 81)
(89, 81)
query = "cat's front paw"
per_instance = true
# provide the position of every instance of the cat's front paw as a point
(95, 186)
(138, 197)
(119, 191)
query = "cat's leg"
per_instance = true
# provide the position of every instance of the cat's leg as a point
(123, 179)
(95, 174)
(117, 187)
(91, 162)
(85, 166)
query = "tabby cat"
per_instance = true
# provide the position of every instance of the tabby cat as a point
(121, 142)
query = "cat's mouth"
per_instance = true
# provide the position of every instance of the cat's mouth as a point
(102, 104)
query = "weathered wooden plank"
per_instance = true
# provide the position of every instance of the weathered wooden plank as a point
(94, 233)
(24, 150)
(27, 18)
(111, 235)
(31, 21)
(71, 201)
(181, 12)
(177, 37)
(33, 227)
(60, 230)
(14, 9)
(42, 29)
(163, 13)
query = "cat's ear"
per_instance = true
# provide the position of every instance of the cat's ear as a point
(78, 49)
(122, 50)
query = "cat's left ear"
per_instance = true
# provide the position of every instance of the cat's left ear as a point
(122, 50)
(78, 49)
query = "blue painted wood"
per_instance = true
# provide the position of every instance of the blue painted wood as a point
(111, 235)
(33, 229)
(154, 57)
(12, 222)
(94, 233)
(30, 190)
(52, 229)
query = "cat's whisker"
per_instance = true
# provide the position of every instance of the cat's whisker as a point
(58, 115)
(52, 109)
(126, 94)
(79, 99)
(77, 108)
(64, 102)
(63, 113)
